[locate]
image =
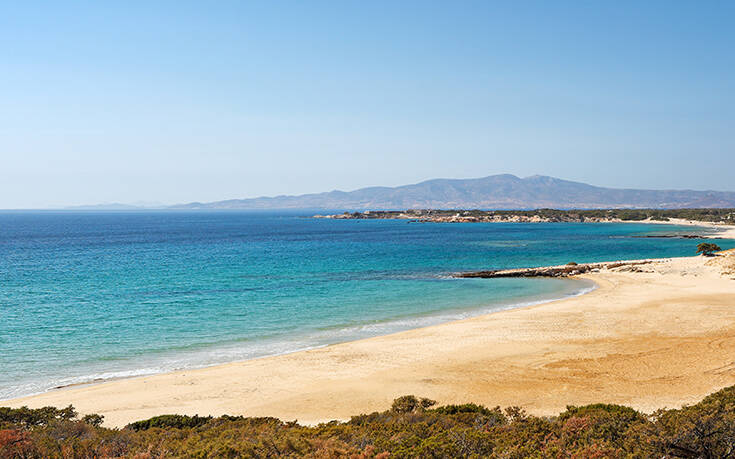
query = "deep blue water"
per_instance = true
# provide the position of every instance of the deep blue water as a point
(87, 295)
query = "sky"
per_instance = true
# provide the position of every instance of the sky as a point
(179, 101)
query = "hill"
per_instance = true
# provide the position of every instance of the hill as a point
(503, 191)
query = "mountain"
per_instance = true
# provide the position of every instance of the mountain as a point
(503, 191)
(117, 206)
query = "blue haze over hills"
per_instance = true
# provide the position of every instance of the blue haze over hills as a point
(502, 191)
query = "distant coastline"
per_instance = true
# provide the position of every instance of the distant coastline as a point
(722, 220)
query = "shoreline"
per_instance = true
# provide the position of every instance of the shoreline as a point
(725, 230)
(102, 381)
(464, 314)
(539, 357)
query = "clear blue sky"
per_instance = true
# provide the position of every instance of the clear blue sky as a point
(180, 101)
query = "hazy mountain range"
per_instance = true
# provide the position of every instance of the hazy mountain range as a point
(119, 206)
(503, 191)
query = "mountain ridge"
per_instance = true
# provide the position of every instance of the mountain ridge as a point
(501, 191)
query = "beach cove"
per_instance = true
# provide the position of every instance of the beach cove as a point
(98, 296)
(652, 336)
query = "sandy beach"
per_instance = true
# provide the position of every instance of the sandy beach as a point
(651, 336)
(722, 230)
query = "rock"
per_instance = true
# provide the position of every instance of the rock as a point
(554, 271)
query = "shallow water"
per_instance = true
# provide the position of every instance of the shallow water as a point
(88, 295)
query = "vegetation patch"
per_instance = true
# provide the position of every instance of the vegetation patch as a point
(411, 428)
(708, 249)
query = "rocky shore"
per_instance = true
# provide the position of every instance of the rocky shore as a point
(570, 269)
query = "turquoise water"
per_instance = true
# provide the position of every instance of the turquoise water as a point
(94, 295)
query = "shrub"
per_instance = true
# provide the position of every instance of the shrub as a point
(94, 420)
(16, 443)
(706, 429)
(707, 248)
(411, 404)
(175, 421)
(27, 417)
(410, 429)
(469, 408)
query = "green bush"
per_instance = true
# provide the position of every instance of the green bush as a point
(707, 248)
(26, 417)
(411, 404)
(175, 421)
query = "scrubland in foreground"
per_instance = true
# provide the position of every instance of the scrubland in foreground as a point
(411, 428)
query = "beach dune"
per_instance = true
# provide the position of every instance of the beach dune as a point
(650, 336)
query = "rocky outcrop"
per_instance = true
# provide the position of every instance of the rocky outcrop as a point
(671, 236)
(571, 269)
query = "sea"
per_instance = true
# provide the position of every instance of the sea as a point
(87, 296)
